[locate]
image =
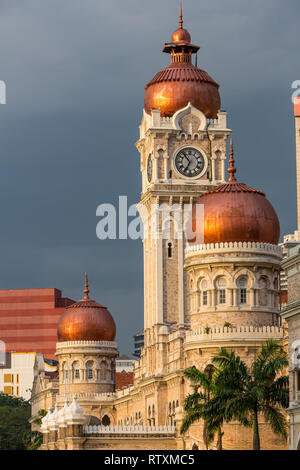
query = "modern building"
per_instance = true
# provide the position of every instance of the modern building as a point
(138, 344)
(18, 372)
(29, 318)
(217, 285)
(124, 364)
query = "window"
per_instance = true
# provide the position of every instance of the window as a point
(243, 296)
(222, 296)
(77, 374)
(89, 370)
(242, 284)
(169, 250)
(298, 381)
(203, 287)
(221, 291)
(8, 378)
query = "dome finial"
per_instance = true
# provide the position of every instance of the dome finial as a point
(231, 170)
(180, 16)
(86, 290)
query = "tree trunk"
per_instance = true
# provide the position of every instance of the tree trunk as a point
(256, 438)
(205, 435)
(220, 437)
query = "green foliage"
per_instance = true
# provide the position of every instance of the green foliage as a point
(196, 405)
(15, 429)
(259, 389)
(13, 426)
(235, 391)
(14, 402)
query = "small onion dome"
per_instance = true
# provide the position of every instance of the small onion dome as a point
(181, 35)
(182, 82)
(45, 421)
(52, 418)
(61, 417)
(234, 212)
(74, 412)
(86, 320)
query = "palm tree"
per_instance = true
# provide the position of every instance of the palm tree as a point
(255, 390)
(195, 405)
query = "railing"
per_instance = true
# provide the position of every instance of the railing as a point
(90, 396)
(241, 246)
(149, 430)
(243, 333)
(103, 344)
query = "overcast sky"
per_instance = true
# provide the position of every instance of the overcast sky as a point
(75, 72)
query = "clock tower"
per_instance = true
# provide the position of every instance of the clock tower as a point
(182, 145)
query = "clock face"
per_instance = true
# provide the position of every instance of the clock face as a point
(189, 162)
(149, 168)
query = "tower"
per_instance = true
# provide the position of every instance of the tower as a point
(182, 145)
(297, 126)
(86, 349)
(234, 271)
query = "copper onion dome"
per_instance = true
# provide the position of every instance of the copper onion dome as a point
(234, 212)
(86, 320)
(182, 83)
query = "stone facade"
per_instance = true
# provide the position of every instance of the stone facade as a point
(291, 314)
(196, 300)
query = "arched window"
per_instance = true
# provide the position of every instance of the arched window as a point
(76, 370)
(108, 371)
(89, 370)
(242, 285)
(221, 290)
(203, 286)
(65, 371)
(263, 293)
(170, 247)
(103, 370)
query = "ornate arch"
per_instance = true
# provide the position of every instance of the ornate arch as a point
(245, 272)
(223, 273)
(189, 109)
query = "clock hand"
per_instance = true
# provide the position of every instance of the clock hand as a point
(189, 161)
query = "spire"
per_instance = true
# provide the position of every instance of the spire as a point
(180, 16)
(231, 170)
(86, 290)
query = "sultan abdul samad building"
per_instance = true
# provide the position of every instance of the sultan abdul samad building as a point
(219, 290)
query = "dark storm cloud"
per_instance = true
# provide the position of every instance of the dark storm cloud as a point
(75, 71)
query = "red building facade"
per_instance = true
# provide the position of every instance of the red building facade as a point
(29, 318)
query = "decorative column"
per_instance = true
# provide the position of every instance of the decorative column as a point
(166, 165)
(75, 420)
(222, 162)
(53, 427)
(213, 169)
(156, 172)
